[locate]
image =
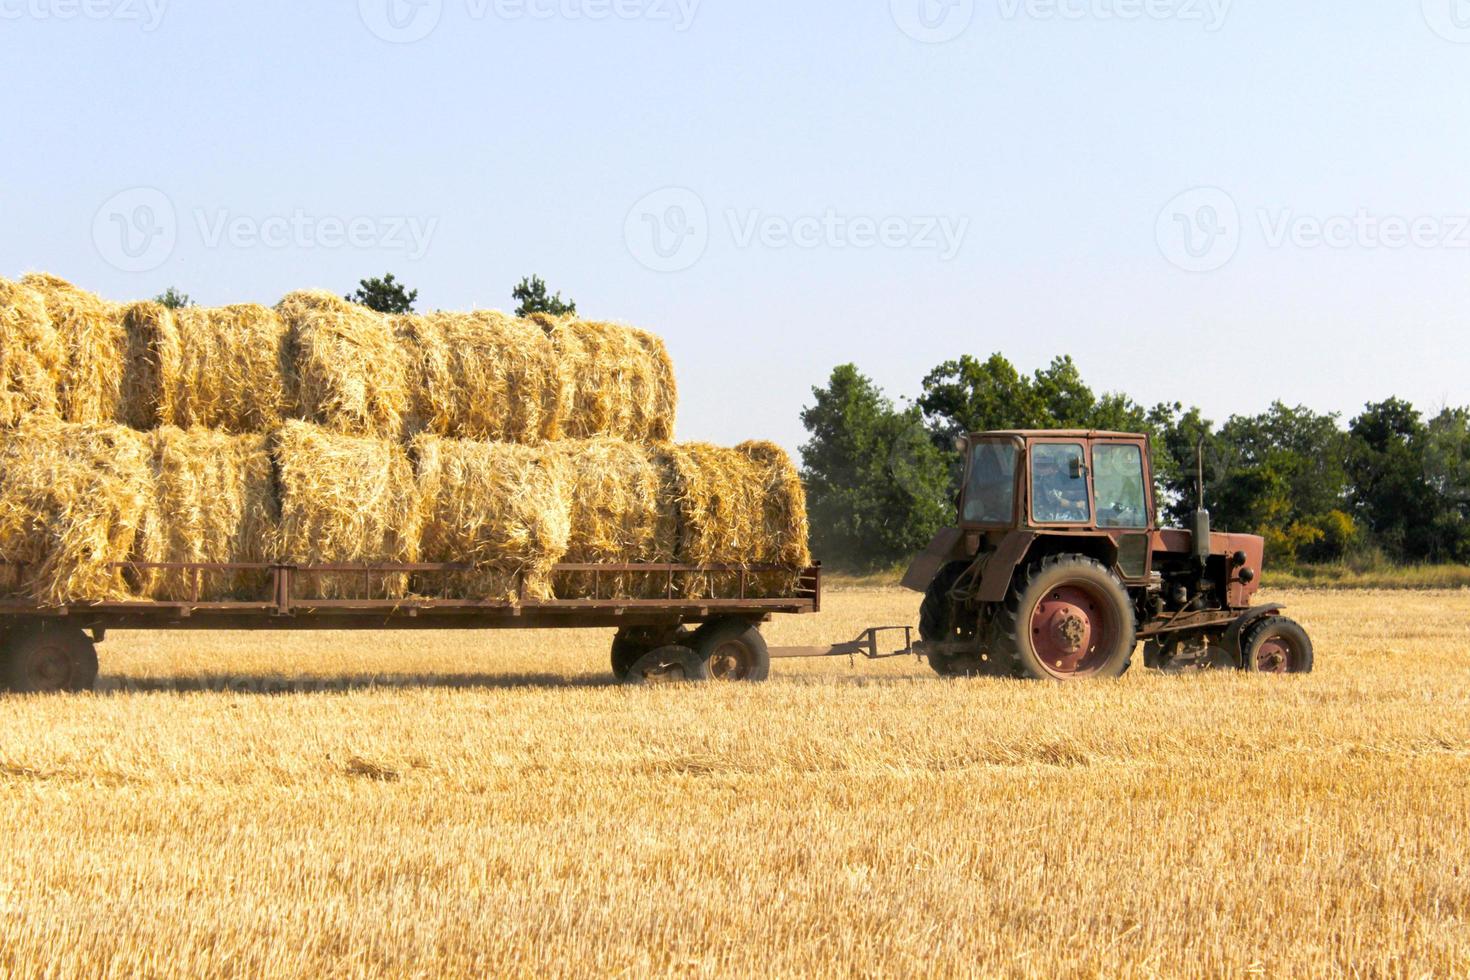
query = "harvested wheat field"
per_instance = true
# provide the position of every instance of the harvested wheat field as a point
(475, 804)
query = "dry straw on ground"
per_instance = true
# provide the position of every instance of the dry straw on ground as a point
(94, 345)
(480, 375)
(214, 501)
(742, 506)
(349, 373)
(616, 381)
(622, 512)
(503, 508)
(234, 370)
(30, 355)
(345, 500)
(72, 498)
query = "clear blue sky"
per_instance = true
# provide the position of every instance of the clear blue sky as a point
(823, 153)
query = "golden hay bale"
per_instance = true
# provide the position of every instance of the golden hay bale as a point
(345, 500)
(741, 507)
(233, 370)
(72, 498)
(501, 507)
(621, 513)
(214, 501)
(94, 344)
(616, 381)
(480, 375)
(31, 355)
(347, 366)
(151, 368)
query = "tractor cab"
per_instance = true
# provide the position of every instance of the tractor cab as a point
(1069, 480)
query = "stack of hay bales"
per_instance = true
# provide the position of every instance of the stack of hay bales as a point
(321, 432)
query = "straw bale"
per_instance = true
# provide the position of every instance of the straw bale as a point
(94, 345)
(345, 500)
(480, 375)
(72, 498)
(234, 368)
(348, 367)
(622, 512)
(616, 381)
(739, 507)
(151, 370)
(501, 507)
(214, 501)
(31, 355)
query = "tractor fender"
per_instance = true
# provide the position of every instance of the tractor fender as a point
(1233, 634)
(1001, 568)
(947, 546)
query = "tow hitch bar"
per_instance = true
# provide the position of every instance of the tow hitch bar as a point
(866, 646)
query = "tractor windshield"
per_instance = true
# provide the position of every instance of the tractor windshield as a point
(990, 492)
(1118, 478)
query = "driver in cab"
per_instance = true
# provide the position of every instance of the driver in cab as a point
(1059, 495)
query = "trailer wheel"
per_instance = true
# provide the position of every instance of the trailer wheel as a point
(47, 659)
(732, 650)
(1067, 618)
(1276, 645)
(632, 642)
(667, 665)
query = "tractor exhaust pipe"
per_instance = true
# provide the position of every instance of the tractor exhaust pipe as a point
(1200, 525)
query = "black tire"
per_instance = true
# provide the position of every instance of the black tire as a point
(48, 659)
(1098, 595)
(732, 650)
(937, 624)
(1276, 645)
(672, 664)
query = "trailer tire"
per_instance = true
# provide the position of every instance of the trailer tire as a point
(732, 650)
(672, 664)
(45, 659)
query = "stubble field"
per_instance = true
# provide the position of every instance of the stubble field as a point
(466, 804)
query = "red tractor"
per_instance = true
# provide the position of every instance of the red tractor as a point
(1057, 569)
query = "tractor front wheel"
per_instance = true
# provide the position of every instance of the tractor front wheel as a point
(1066, 618)
(941, 622)
(1276, 645)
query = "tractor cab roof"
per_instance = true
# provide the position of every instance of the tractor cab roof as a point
(1055, 434)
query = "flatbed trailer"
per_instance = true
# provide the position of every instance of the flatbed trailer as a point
(674, 634)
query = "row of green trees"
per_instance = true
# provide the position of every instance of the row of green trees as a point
(1392, 484)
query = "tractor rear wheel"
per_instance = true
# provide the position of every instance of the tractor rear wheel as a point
(1066, 618)
(1276, 645)
(940, 622)
(48, 659)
